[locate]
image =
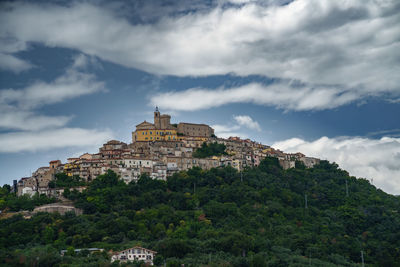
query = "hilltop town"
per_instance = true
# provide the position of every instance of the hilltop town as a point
(158, 149)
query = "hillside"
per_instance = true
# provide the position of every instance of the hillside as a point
(264, 216)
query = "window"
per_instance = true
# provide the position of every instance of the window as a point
(142, 133)
(151, 132)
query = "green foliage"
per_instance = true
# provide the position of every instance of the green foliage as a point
(214, 218)
(62, 180)
(208, 150)
(9, 201)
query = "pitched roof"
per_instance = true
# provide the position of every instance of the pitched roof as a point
(144, 125)
(135, 247)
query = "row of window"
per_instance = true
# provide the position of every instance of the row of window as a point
(140, 162)
(139, 256)
(158, 133)
(138, 251)
(158, 138)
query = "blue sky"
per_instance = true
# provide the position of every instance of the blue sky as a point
(320, 77)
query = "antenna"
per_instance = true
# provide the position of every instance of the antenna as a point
(362, 258)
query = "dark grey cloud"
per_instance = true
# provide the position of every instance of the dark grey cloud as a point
(347, 47)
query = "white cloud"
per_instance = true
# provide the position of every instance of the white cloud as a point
(52, 139)
(10, 62)
(70, 85)
(18, 109)
(7, 60)
(247, 121)
(349, 45)
(18, 105)
(226, 131)
(27, 120)
(82, 62)
(236, 128)
(376, 159)
(281, 94)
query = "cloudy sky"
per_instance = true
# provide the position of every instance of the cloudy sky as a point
(320, 77)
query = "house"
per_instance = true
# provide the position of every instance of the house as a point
(134, 254)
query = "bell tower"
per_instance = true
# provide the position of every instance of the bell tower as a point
(157, 122)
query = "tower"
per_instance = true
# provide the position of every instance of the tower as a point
(165, 121)
(157, 122)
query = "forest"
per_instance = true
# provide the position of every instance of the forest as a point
(263, 216)
(208, 150)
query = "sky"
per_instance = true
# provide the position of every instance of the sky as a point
(313, 76)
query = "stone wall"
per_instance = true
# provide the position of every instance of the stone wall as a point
(58, 207)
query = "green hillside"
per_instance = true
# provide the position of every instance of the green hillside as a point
(264, 216)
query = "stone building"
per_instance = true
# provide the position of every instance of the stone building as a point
(310, 162)
(163, 130)
(192, 129)
(160, 130)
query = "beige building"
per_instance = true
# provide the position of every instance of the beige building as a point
(163, 130)
(193, 129)
(160, 130)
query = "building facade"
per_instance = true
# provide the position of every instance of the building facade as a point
(193, 129)
(160, 130)
(163, 130)
(134, 254)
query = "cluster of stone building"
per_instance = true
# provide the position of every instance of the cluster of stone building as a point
(158, 149)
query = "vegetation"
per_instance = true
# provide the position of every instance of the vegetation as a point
(65, 181)
(208, 150)
(215, 218)
(9, 201)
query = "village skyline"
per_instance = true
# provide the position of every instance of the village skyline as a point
(158, 150)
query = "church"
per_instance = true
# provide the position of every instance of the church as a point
(163, 130)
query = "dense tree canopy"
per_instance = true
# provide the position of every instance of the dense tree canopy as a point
(10, 202)
(214, 217)
(208, 150)
(63, 180)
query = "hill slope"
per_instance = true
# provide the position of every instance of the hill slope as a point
(263, 217)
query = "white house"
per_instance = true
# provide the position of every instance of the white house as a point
(28, 190)
(137, 162)
(134, 254)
